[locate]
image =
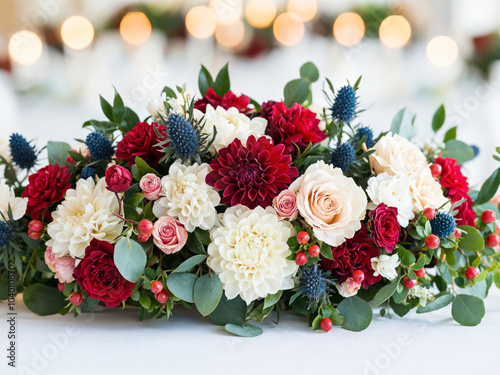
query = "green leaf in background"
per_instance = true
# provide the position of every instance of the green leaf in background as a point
(145, 301)
(438, 118)
(442, 300)
(231, 311)
(406, 256)
(399, 297)
(205, 81)
(471, 239)
(130, 259)
(190, 263)
(182, 285)
(222, 83)
(134, 200)
(458, 150)
(402, 124)
(107, 109)
(246, 331)
(207, 293)
(400, 309)
(467, 310)
(326, 251)
(194, 244)
(43, 300)
(296, 91)
(450, 134)
(384, 293)
(58, 152)
(309, 71)
(143, 167)
(271, 299)
(489, 188)
(357, 312)
(89, 304)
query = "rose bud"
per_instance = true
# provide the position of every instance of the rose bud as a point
(118, 179)
(151, 186)
(35, 226)
(76, 298)
(285, 205)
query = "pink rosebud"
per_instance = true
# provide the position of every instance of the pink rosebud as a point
(169, 235)
(348, 288)
(285, 205)
(118, 179)
(151, 186)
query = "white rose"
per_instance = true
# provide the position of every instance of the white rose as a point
(156, 107)
(348, 288)
(8, 198)
(5, 149)
(385, 265)
(426, 191)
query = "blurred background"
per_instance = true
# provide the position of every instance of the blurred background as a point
(57, 56)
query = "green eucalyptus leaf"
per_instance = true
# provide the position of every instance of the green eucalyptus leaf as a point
(43, 299)
(384, 293)
(207, 293)
(130, 259)
(190, 263)
(467, 310)
(442, 300)
(402, 124)
(458, 150)
(471, 239)
(231, 311)
(357, 312)
(58, 152)
(245, 331)
(296, 91)
(310, 72)
(182, 285)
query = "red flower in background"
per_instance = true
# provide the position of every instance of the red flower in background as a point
(385, 227)
(251, 175)
(465, 215)
(141, 141)
(296, 125)
(354, 254)
(226, 101)
(452, 178)
(99, 277)
(45, 188)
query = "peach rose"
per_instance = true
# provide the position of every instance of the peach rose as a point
(285, 205)
(151, 186)
(348, 288)
(426, 191)
(63, 267)
(331, 203)
(169, 235)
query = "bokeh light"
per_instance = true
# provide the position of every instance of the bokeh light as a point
(231, 35)
(288, 29)
(200, 22)
(25, 47)
(349, 29)
(395, 31)
(135, 28)
(260, 13)
(226, 12)
(304, 9)
(442, 51)
(77, 32)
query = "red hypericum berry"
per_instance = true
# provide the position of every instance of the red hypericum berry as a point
(471, 273)
(76, 298)
(313, 250)
(420, 273)
(162, 297)
(457, 233)
(303, 238)
(300, 258)
(34, 235)
(156, 287)
(35, 226)
(436, 170)
(326, 324)
(358, 276)
(145, 227)
(60, 286)
(432, 241)
(430, 213)
(409, 283)
(492, 240)
(488, 217)
(143, 237)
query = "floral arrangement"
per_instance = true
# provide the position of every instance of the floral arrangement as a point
(238, 208)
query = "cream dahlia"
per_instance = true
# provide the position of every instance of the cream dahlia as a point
(186, 196)
(8, 198)
(249, 251)
(86, 213)
(426, 191)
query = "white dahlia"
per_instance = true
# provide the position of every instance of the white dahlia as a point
(85, 214)
(17, 205)
(248, 252)
(186, 196)
(5, 149)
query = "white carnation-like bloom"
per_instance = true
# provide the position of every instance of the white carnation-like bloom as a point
(331, 203)
(186, 196)
(426, 191)
(5, 149)
(229, 124)
(8, 198)
(385, 265)
(248, 252)
(86, 213)
(393, 191)
(156, 107)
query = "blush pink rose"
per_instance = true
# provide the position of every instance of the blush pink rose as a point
(348, 288)
(63, 267)
(151, 186)
(285, 205)
(169, 235)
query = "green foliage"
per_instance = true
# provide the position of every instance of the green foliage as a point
(245, 331)
(458, 150)
(207, 293)
(190, 263)
(438, 118)
(489, 188)
(231, 311)
(130, 259)
(385, 293)
(467, 310)
(403, 124)
(442, 300)
(182, 285)
(58, 152)
(309, 71)
(357, 313)
(471, 239)
(296, 91)
(43, 299)
(221, 85)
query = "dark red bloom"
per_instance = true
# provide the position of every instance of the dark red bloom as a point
(465, 215)
(452, 178)
(385, 227)
(296, 125)
(45, 188)
(226, 101)
(141, 141)
(354, 254)
(251, 175)
(118, 179)
(99, 277)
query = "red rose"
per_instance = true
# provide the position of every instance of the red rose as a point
(465, 215)
(99, 277)
(45, 188)
(452, 178)
(141, 141)
(118, 179)
(296, 125)
(227, 101)
(385, 227)
(354, 254)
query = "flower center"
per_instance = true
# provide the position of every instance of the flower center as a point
(248, 175)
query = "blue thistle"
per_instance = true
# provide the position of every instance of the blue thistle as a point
(344, 104)
(476, 151)
(87, 172)
(23, 154)
(99, 146)
(183, 137)
(314, 284)
(365, 132)
(5, 234)
(443, 225)
(343, 157)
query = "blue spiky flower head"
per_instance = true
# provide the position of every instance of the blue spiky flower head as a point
(476, 151)
(23, 154)
(344, 104)
(314, 284)
(443, 225)
(5, 234)
(99, 146)
(183, 137)
(343, 157)
(365, 132)
(88, 172)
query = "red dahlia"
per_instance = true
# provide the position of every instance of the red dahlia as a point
(141, 141)
(45, 188)
(354, 254)
(251, 175)
(452, 178)
(226, 101)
